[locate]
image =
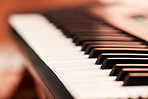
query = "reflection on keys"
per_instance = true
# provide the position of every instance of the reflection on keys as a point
(117, 54)
(118, 67)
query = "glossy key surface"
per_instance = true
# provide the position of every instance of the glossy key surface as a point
(125, 71)
(133, 79)
(103, 56)
(87, 43)
(110, 62)
(82, 39)
(117, 67)
(90, 47)
(97, 51)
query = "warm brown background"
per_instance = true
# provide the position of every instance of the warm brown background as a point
(12, 62)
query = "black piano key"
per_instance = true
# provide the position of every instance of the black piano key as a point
(87, 43)
(103, 56)
(133, 79)
(97, 30)
(80, 26)
(85, 26)
(110, 62)
(71, 32)
(98, 34)
(77, 20)
(100, 38)
(78, 35)
(82, 39)
(97, 51)
(117, 67)
(125, 71)
(90, 47)
(70, 20)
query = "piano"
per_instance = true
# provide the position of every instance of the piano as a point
(83, 53)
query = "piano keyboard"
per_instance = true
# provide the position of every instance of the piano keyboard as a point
(107, 63)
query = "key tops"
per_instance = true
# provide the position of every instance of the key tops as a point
(113, 48)
(136, 79)
(110, 62)
(98, 51)
(117, 67)
(125, 71)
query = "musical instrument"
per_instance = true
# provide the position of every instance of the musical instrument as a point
(115, 63)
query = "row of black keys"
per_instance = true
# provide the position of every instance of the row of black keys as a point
(125, 54)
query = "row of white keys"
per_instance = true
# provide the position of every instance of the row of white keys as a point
(78, 73)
